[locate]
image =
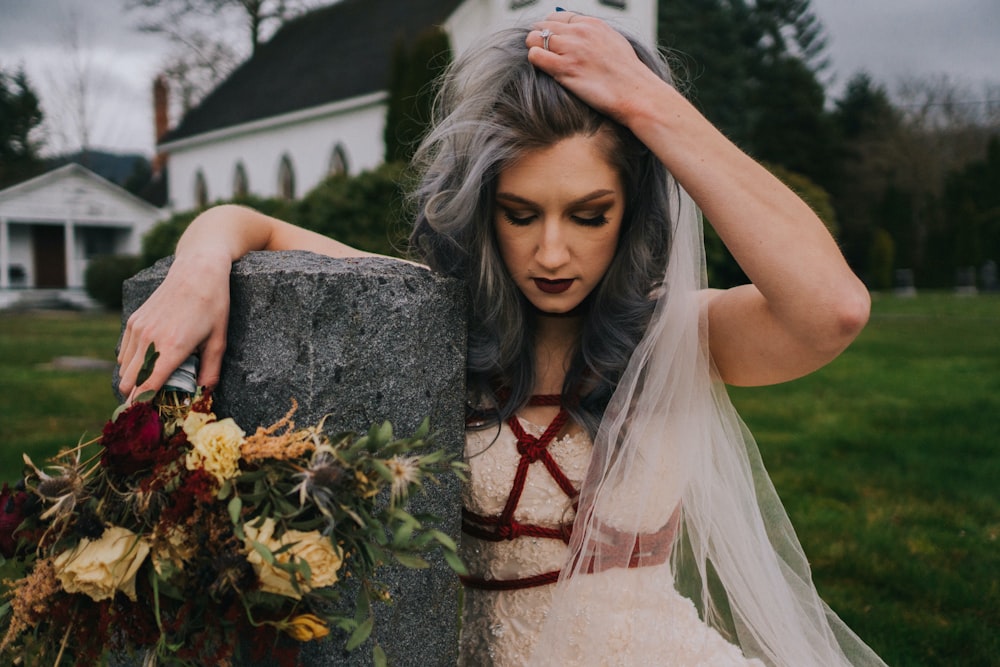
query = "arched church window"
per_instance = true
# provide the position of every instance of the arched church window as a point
(286, 178)
(338, 161)
(241, 186)
(200, 190)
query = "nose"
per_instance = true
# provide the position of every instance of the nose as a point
(553, 250)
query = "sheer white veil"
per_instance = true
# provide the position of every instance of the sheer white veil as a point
(673, 461)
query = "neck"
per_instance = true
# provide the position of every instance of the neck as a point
(556, 337)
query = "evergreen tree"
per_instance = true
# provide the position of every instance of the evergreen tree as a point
(863, 186)
(20, 115)
(752, 68)
(415, 66)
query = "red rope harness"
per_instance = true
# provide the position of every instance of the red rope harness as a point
(612, 550)
(505, 527)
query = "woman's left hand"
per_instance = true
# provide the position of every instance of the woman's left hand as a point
(593, 61)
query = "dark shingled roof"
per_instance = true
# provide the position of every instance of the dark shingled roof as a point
(330, 54)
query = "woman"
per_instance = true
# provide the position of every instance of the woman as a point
(603, 450)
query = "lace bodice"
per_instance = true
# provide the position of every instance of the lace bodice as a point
(500, 628)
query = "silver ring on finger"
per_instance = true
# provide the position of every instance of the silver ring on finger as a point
(545, 38)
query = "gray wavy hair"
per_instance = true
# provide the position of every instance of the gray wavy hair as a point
(492, 106)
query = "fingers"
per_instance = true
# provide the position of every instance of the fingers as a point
(210, 367)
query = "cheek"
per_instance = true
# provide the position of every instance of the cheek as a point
(506, 245)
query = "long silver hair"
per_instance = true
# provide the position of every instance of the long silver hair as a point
(492, 106)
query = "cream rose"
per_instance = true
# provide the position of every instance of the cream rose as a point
(100, 567)
(194, 421)
(324, 559)
(216, 448)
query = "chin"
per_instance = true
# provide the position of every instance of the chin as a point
(575, 310)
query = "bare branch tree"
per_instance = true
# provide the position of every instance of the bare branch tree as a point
(78, 89)
(260, 18)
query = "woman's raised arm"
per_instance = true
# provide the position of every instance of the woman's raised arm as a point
(189, 311)
(804, 305)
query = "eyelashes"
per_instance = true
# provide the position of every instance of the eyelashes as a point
(518, 221)
(598, 220)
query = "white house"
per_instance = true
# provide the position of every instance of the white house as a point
(52, 225)
(312, 100)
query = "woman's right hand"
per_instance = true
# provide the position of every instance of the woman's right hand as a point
(188, 312)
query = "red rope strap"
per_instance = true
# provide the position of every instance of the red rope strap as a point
(543, 579)
(505, 527)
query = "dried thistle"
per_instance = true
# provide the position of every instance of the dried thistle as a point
(63, 491)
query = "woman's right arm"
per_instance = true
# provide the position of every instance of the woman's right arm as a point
(189, 311)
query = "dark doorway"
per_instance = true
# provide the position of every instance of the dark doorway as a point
(48, 243)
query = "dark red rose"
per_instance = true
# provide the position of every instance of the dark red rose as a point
(135, 441)
(11, 515)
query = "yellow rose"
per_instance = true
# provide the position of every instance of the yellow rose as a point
(194, 421)
(307, 627)
(100, 567)
(323, 558)
(216, 448)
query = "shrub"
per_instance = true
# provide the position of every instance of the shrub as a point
(104, 277)
(366, 211)
(161, 239)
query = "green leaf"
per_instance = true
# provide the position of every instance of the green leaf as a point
(264, 552)
(385, 432)
(455, 563)
(364, 607)
(147, 365)
(120, 409)
(145, 397)
(423, 429)
(444, 540)
(403, 534)
(359, 636)
(235, 508)
(382, 470)
(411, 561)
(378, 657)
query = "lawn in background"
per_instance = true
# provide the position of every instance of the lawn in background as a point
(888, 461)
(42, 408)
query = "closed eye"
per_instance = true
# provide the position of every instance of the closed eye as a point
(518, 218)
(598, 220)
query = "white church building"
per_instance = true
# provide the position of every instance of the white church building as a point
(52, 225)
(312, 100)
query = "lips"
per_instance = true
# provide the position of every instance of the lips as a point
(553, 286)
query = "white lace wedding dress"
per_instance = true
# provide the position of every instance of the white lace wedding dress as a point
(500, 627)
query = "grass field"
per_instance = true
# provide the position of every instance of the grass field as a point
(888, 461)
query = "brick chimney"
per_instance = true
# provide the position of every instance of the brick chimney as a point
(161, 120)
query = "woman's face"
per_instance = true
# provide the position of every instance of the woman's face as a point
(558, 214)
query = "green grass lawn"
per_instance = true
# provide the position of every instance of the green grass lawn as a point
(43, 409)
(888, 461)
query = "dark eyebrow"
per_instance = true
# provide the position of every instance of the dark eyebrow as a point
(590, 196)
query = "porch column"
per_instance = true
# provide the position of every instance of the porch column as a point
(70, 252)
(4, 255)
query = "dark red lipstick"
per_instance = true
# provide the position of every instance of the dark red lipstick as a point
(553, 286)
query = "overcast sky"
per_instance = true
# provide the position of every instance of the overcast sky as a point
(891, 39)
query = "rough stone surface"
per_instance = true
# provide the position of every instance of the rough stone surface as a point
(365, 340)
